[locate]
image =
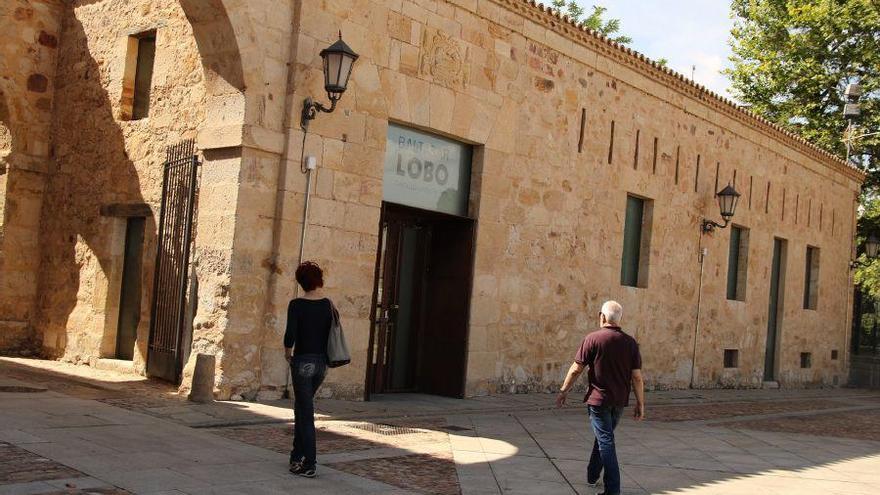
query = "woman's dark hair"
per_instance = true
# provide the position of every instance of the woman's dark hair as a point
(309, 276)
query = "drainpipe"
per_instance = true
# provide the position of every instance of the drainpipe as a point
(281, 181)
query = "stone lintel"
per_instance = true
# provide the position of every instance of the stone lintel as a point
(126, 210)
(235, 136)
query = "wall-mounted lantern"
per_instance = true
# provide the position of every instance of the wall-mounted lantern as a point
(872, 247)
(338, 59)
(727, 201)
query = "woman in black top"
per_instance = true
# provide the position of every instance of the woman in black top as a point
(308, 325)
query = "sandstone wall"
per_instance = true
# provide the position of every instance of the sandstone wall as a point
(28, 51)
(515, 81)
(101, 159)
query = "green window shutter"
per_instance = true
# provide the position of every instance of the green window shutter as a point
(632, 241)
(733, 262)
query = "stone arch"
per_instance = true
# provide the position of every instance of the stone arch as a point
(220, 32)
(7, 144)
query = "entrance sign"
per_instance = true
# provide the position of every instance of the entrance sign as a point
(426, 171)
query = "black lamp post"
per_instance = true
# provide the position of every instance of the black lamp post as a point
(728, 198)
(338, 59)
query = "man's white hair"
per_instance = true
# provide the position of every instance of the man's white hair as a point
(613, 311)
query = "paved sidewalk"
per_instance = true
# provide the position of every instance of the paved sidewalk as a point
(67, 430)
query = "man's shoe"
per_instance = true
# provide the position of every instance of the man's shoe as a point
(594, 484)
(306, 472)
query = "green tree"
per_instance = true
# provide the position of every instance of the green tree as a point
(793, 59)
(609, 28)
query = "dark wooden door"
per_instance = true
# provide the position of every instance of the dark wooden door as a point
(418, 339)
(130, 295)
(449, 279)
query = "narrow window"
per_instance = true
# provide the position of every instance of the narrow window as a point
(636, 155)
(611, 145)
(697, 176)
(751, 184)
(833, 220)
(811, 278)
(138, 76)
(583, 123)
(797, 207)
(809, 212)
(654, 161)
(734, 178)
(767, 199)
(834, 354)
(737, 263)
(731, 358)
(717, 170)
(806, 360)
(783, 204)
(821, 208)
(677, 161)
(636, 242)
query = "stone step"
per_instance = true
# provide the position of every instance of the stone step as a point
(117, 365)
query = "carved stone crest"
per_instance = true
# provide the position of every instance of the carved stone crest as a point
(443, 59)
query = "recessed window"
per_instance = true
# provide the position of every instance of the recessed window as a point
(636, 242)
(737, 263)
(731, 358)
(806, 360)
(834, 354)
(138, 77)
(811, 278)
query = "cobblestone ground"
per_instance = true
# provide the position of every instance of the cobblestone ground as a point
(380, 444)
(422, 473)
(701, 412)
(858, 425)
(21, 467)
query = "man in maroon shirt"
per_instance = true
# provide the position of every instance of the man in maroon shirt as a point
(614, 363)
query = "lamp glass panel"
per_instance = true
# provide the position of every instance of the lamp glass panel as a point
(872, 245)
(332, 62)
(345, 71)
(727, 204)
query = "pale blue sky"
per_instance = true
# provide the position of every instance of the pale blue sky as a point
(685, 32)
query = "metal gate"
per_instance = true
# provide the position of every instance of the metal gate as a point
(179, 185)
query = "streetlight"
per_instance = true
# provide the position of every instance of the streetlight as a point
(872, 247)
(851, 110)
(728, 198)
(339, 59)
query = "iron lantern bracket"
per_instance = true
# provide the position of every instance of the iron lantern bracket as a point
(311, 108)
(708, 226)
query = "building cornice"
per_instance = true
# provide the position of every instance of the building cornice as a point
(547, 17)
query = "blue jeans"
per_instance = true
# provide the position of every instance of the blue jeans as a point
(604, 420)
(308, 372)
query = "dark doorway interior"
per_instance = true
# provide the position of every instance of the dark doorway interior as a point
(774, 317)
(418, 340)
(130, 295)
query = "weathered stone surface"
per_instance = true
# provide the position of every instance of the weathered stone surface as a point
(548, 191)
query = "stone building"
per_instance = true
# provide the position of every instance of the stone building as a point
(491, 175)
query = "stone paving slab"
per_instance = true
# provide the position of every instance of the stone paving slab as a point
(719, 442)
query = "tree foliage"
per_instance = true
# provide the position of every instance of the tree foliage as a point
(610, 28)
(793, 58)
(792, 61)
